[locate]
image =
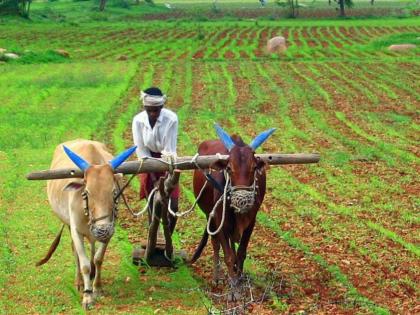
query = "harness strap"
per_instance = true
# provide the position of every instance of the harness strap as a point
(213, 182)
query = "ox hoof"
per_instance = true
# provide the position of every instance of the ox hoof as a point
(88, 301)
(88, 306)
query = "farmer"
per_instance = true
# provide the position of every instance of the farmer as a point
(155, 132)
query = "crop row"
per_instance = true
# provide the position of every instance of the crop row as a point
(204, 41)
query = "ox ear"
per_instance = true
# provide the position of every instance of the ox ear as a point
(80, 163)
(118, 160)
(74, 186)
(261, 138)
(224, 137)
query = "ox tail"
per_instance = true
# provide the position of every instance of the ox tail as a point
(52, 249)
(200, 247)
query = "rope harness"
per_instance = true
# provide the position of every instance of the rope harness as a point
(242, 198)
(104, 231)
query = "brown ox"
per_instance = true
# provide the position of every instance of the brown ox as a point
(87, 205)
(244, 195)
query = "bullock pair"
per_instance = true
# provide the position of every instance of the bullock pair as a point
(89, 205)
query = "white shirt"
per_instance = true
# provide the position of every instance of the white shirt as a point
(162, 138)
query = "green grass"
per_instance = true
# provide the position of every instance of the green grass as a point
(355, 104)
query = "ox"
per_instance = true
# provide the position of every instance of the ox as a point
(242, 186)
(87, 205)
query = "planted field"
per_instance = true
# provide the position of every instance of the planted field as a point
(340, 237)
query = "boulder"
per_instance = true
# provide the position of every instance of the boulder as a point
(3, 50)
(62, 52)
(401, 47)
(122, 58)
(276, 45)
(11, 56)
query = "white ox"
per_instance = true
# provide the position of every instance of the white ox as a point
(87, 205)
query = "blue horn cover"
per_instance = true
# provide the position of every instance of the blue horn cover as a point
(261, 138)
(224, 137)
(81, 163)
(118, 160)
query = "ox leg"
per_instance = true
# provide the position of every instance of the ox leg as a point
(229, 254)
(85, 267)
(98, 260)
(78, 282)
(230, 260)
(217, 275)
(92, 263)
(243, 245)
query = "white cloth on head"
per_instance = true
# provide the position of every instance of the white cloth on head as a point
(162, 138)
(152, 100)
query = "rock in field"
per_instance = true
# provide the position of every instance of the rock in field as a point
(401, 47)
(11, 56)
(3, 50)
(276, 45)
(122, 58)
(62, 52)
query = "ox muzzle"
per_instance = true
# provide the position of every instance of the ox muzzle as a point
(242, 199)
(102, 232)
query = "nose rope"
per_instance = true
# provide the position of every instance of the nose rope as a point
(243, 197)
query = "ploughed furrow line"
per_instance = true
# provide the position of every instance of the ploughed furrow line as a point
(397, 75)
(242, 43)
(303, 227)
(297, 102)
(382, 105)
(321, 45)
(396, 101)
(210, 38)
(230, 51)
(337, 32)
(342, 106)
(284, 131)
(260, 41)
(325, 43)
(342, 239)
(381, 171)
(224, 41)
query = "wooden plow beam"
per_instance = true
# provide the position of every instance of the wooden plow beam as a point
(181, 163)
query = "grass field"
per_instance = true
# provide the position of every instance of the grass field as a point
(340, 237)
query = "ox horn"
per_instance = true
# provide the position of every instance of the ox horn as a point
(261, 138)
(224, 137)
(118, 160)
(81, 163)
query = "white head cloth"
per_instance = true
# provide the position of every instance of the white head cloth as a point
(152, 100)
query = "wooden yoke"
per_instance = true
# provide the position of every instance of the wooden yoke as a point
(182, 163)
